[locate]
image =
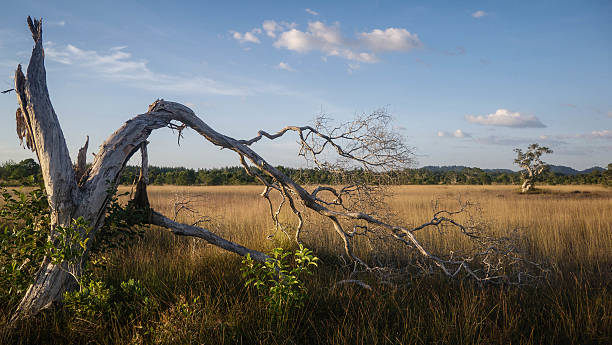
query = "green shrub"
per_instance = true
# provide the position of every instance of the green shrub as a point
(24, 228)
(280, 281)
(97, 299)
(90, 302)
(25, 242)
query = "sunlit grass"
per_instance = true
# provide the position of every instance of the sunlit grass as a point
(563, 225)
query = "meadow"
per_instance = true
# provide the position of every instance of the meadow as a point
(199, 295)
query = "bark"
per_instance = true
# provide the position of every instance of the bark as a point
(527, 186)
(44, 133)
(52, 281)
(81, 166)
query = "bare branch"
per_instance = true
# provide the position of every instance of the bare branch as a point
(356, 282)
(368, 140)
(194, 231)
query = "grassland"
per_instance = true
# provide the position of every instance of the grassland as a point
(201, 296)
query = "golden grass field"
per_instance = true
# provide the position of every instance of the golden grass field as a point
(564, 225)
(202, 298)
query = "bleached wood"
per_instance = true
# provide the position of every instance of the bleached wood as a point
(81, 165)
(58, 175)
(199, 232)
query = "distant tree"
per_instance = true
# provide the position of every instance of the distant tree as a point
(185, 177)
(608, 175)
(26, 172)
(532, 164)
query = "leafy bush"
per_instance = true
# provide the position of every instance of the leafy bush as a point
(91, 301)
(24, 228)
(25, 242)
(278, 280)
(98, 299)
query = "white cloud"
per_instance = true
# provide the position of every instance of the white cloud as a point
(314, 13)
(57, 23)
(506, 118)
(271, 27)
(118, 65)
(553, 140)
(514, 141)
(603, 134)
(456, 134)
(353, 67)
(249, 36)
(330, 41)
(318, 37)
(496, 140)
(285, 66)
(391, 39)
(479, 14)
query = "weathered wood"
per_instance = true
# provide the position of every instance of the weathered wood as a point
(45, 134)
(81, 165)
(141, 198)
(144, 163)
(210, 237)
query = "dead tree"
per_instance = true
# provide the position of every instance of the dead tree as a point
(77, 192)
(532, 164)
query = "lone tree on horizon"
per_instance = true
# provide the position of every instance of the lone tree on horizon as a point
(532, 164)
(75, 191)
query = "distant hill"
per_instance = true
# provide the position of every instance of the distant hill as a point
(559, 169)
(459, 168)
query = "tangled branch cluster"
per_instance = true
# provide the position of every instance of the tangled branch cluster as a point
(369, 141)
(356, 203)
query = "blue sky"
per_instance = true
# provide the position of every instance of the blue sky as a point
(466, 82)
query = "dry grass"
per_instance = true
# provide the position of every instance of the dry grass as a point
(563, 225)
(203, 300)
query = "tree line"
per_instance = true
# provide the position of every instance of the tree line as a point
(27, 173)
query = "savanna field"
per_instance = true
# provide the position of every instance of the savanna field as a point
(195, 293)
